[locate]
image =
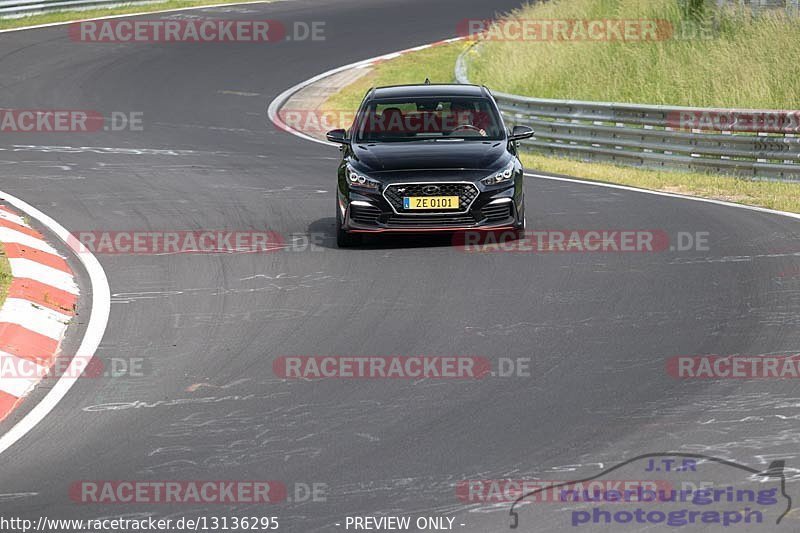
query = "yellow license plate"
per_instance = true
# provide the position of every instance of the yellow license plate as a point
(430, 202)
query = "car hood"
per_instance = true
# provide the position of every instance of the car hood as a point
(480, 155)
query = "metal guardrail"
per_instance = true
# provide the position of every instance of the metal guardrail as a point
(644, 135)
(22, 8)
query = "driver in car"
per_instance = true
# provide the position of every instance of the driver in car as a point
(465, 119)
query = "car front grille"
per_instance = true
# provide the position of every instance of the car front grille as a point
(497, 212)
(395, 193)
(363, 214)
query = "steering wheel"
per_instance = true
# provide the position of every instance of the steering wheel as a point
(481, 131)
(467, 126)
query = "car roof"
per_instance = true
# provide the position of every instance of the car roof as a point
(432, 89)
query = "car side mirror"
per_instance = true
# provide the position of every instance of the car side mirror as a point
(520, 132)
(338, 136)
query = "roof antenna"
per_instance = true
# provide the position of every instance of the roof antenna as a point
(427, 81)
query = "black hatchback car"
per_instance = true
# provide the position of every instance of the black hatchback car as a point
(430, 157)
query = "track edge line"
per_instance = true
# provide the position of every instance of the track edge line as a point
(95, 329)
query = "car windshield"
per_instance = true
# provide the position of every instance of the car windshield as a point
(442, 118)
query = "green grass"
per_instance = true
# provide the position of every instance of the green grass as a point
(68, 16)
(438, 63)
(748, 62)
(770, 194)
(5, 276)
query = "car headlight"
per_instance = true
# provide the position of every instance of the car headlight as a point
(504, 175)
(359, 180)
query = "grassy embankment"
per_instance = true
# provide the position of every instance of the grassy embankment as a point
(730, 60)
(747, 63)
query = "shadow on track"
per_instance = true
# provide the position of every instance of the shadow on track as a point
(381, 241)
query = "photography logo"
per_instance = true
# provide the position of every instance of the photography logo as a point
(688, 492)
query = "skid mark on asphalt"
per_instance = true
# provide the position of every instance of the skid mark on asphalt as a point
(50, 178)
(296, 281)
(505, 330)
(130, 297)
(239, 93)
(12, 496)
(409, 490)
(283, 282)
(108, 150)
(177, 402)
(205, 384)
(709, 423)
(206, 320)
(731, 258)
(789, 318)
(241, 438)
(206, 127)
(299, 192)
(41, 164)
(706, 403)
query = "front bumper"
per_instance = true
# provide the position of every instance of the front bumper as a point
(488, 208)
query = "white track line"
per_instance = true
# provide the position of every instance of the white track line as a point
(11, 217)
(25, 268)
(280, 100)
(12, 235)
(108, 17)
(19, 376)
(95, 329)
(666, 194)
(41, 320)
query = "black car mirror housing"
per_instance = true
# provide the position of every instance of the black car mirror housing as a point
(520, 132)
(338, 136)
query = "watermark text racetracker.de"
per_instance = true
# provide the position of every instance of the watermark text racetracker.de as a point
(177, 492)
(68, 121)
(736, 120)
(79, 366)
(581, 240)
(734, 366)
(148, 242)
(458, 367)
(164, 242)
(549, 491)
(566, 30)
(320, 121)
(196, 30)
(585, 30)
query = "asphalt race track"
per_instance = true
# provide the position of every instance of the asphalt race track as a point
(597, 327)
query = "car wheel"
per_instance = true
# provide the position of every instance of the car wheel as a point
(519, 229)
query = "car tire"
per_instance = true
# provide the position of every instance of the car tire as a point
(343, 238)
(519, 229)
